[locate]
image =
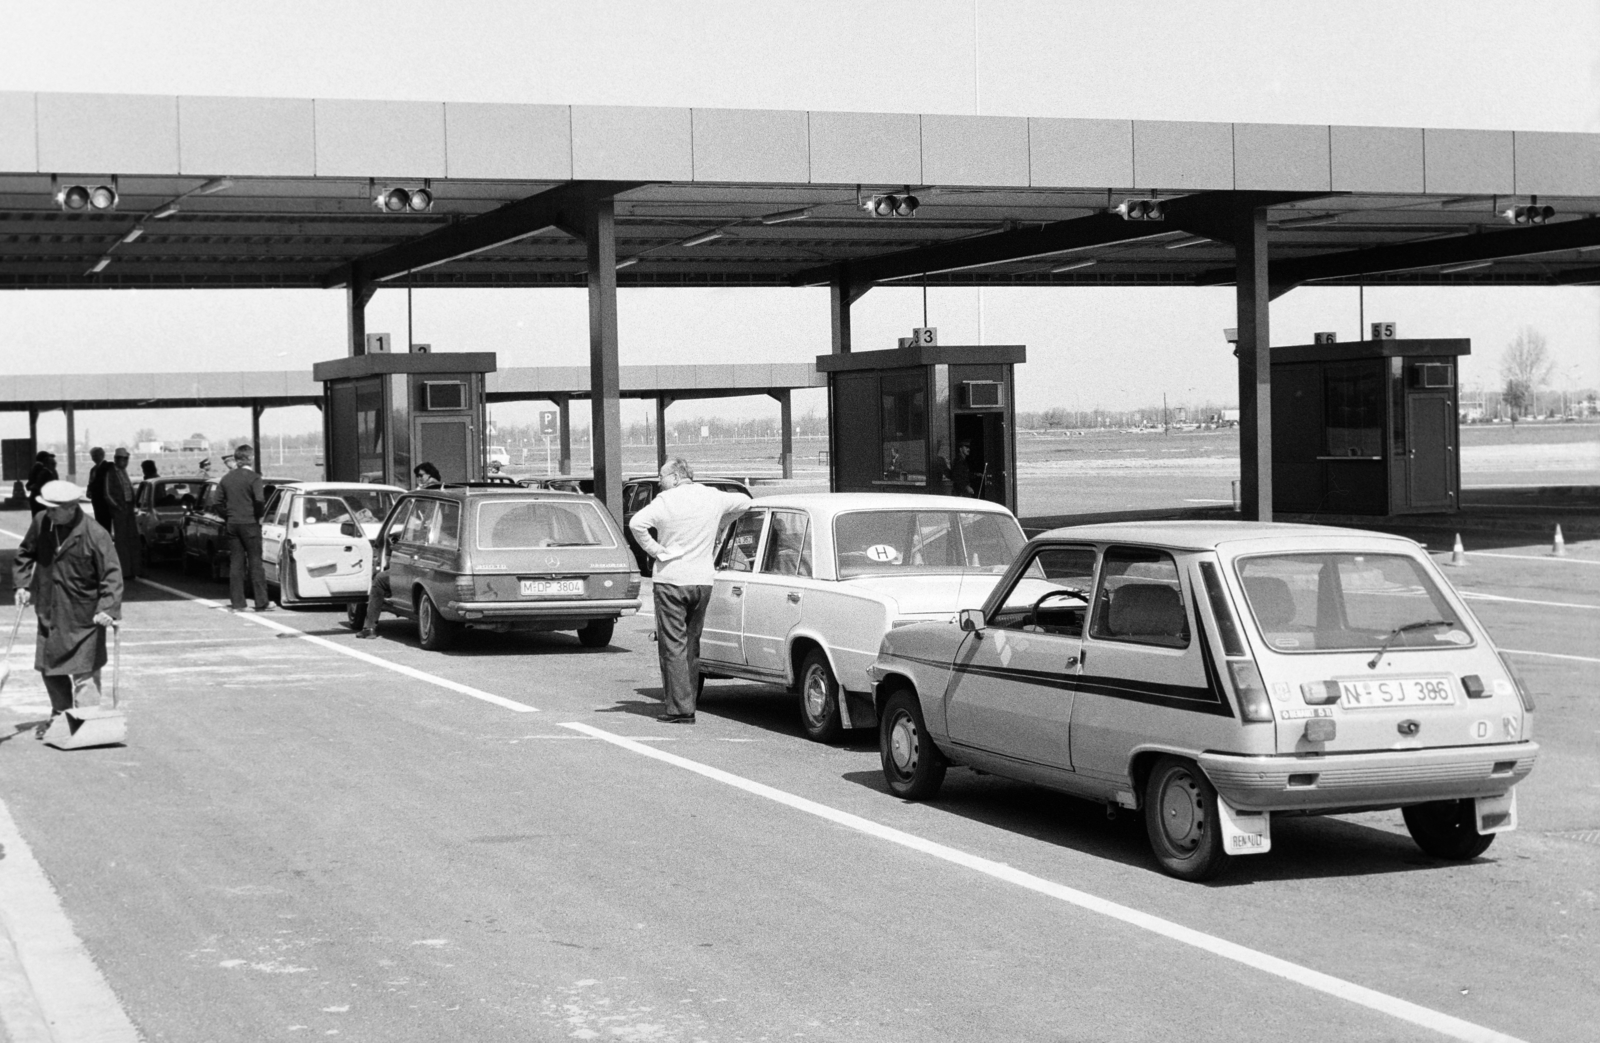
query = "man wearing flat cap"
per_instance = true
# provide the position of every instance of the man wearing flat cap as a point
(67, 569)
(124, 520)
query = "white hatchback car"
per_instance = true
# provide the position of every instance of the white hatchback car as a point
(807, 586)
(1214, 675)
(317, 540)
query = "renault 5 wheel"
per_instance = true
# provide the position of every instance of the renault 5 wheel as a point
(912, 765)
(1180, 815)
(1446, 829)
(819, 698)
(355, 614)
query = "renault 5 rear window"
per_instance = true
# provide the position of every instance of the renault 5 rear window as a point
(505, 524)
(1326, 602)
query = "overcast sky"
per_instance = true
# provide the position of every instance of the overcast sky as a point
(1520, 65)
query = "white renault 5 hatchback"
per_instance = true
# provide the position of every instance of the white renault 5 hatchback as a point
(1215, 675)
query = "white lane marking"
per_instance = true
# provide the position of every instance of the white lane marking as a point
(1533, 557)
(1474, 596)
(69, 989)
(420, 675)
(14, 535)
(1551, 655)
(1326, 983)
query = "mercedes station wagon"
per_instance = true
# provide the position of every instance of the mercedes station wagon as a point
(499, 558)
(1215, 675)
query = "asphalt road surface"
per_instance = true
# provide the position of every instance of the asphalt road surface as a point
(312, 836)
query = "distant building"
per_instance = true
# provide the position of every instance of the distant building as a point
(149, 447)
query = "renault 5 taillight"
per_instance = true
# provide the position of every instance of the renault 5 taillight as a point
(1251, 690)
(1516, 680)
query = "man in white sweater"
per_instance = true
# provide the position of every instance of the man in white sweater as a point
(687, 518)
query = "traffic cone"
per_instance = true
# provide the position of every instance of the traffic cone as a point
(1458, 555)
(1559, 548)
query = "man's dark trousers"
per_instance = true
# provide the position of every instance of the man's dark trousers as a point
(680, 613)
(244, 552)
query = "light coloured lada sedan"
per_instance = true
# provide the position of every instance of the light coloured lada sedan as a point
(807, 586)
(317, 540)
(1215, 675)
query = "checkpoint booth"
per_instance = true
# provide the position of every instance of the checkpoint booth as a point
(924, 419)
(384, 414)
(1371, 427)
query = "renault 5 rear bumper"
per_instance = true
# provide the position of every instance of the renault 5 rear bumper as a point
(1381, 778)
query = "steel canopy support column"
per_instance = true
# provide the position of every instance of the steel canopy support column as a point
(662, 402)
(357, 294)
(72, 442)
(33, 430)
(605, 374)
(786, 430)
(841, 294)
(1255, 366)
(564, 434)
(256, 409)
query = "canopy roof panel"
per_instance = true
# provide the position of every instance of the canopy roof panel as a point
(225, 192)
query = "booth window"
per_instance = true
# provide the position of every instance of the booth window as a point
(1354, 397)
(1397, 405)
(369, 430)
(904, 419)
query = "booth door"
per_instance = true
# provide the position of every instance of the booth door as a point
(1430, 466)
(446, 442)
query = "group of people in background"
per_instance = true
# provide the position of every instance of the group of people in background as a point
(110, 492)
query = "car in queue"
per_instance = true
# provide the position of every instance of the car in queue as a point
(499, 558)
(564, 483)
(806, 587)
(637, 493)
(159, 507)
(318, 538)
(204, 541)
(1213, 676)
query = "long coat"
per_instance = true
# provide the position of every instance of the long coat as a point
(124, 520)
(72, 577)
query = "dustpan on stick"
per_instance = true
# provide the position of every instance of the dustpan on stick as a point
(84, 726)
(5, 664)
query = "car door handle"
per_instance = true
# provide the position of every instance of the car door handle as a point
(1077, 660)
(794, 597)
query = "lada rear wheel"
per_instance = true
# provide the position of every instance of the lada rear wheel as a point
(819, 698)
(1180, 815)
(596, 633)
(434, 632)
(912, 764)
(1446, 829)
(355, 614)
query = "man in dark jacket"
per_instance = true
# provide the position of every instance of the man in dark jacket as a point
(68, 569)
(124, 517)
(99, 475)
(242, 496)
(43, 472)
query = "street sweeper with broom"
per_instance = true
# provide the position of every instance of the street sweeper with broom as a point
(67, 569)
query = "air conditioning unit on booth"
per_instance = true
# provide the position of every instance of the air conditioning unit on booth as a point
(982, 394)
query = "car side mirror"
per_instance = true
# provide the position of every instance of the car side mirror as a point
(971, 620)
(349, 528)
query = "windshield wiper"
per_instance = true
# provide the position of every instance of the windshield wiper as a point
(1421, 624)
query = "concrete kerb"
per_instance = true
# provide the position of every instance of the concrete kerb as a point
(21, 1020)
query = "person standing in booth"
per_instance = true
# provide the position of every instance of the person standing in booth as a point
(124, 524)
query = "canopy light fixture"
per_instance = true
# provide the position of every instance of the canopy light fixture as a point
(87, 197)
(404, 200)
(1141, 210)
(133, 233)
(1073, 266)
(627, 261)
(703, 237)
(100, 266)
(1532, 214)
(1193, 240)
(1307, 221)
(787, 215)
(1465, 266)
(165, 212)
(888, 205)
(216, 184)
